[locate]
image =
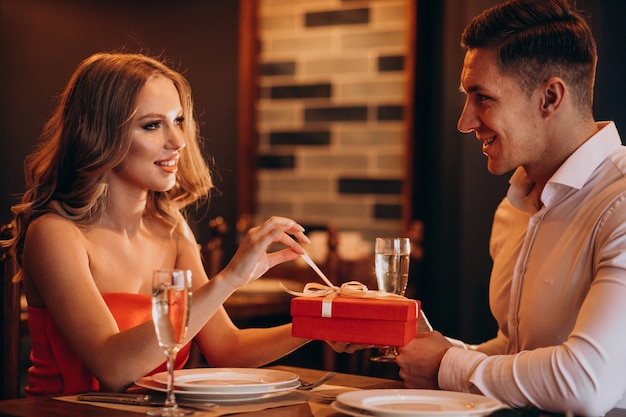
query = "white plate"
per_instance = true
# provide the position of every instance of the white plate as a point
(224, 397)
(354, 412)
(414, 403)
(229, 380)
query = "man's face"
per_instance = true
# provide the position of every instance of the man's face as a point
(502, 116)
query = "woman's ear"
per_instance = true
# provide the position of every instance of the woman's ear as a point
(553, 92)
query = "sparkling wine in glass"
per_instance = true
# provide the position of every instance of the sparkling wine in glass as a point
(392, 274)
(171, 300)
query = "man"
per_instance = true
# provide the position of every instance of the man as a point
(558, 284)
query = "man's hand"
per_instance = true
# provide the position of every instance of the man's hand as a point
(419, 360)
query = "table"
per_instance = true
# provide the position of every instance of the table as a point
(49, 407)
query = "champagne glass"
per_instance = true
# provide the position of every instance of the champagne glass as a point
(392, 274)
(171, 299)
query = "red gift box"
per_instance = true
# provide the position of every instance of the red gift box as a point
(370, 321)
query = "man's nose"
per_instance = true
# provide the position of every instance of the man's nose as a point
(468, 121)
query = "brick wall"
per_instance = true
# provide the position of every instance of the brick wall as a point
(332, 92)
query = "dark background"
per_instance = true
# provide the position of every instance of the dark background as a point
(453, 191)
(42, 42)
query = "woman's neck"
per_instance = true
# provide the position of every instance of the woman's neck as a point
(125, 211)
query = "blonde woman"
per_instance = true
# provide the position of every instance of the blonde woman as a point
(106, 190)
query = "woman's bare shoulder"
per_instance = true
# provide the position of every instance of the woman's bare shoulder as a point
(186, 232)
(52, 224)
(52, 234)
(55, 250)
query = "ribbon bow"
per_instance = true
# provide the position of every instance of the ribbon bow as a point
(349, 289)
(329, 292)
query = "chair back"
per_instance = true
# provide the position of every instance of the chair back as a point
(10, 318)
(213, 251)
(212, 254)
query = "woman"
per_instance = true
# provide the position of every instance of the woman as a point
(119, 161)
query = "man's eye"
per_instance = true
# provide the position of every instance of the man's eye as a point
(481, 98)
(152, 126)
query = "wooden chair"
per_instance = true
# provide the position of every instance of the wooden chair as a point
(212, 258)
(213, 252)
(10, 318)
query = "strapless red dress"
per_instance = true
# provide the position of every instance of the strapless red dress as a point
(56, 369)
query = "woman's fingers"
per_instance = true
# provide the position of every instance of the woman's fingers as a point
(280, 256)
(278, 229)
(288, 241)
(252, 258)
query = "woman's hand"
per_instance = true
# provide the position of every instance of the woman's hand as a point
(252, 259)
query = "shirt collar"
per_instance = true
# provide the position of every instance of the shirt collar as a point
(573, 173)
(522, 192)
(577, 169)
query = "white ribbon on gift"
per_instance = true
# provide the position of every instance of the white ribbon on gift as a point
(354, 289)
(330, 291)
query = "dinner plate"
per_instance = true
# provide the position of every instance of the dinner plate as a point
(414, 403)
(223, 397)
(351, 411)
(229, 380)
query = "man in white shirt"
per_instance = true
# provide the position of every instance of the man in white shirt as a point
(558, 284)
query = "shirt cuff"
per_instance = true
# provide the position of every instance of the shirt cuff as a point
(456, 369)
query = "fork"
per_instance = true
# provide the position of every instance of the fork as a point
(307, 386)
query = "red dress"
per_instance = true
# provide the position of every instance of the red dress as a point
(56, 369)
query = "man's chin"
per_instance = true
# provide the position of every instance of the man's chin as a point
(495, 169)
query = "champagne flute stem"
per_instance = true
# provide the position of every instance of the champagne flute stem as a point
(170, 400)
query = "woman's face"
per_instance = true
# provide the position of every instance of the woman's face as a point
(156, 138)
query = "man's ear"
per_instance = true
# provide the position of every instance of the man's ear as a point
(552, 95)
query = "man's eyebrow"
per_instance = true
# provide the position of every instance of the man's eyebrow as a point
(470, 89)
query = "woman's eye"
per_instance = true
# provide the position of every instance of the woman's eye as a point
(152, 126)
(179, 120)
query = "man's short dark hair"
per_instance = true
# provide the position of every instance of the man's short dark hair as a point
(538, 39)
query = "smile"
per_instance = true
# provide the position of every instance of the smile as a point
(486, 143)
(170, 163)
(170, 166)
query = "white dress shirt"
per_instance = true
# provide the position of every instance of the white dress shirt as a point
(557, 290)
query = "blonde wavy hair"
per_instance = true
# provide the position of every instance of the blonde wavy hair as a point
(88, 135)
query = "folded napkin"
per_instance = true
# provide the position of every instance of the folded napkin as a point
(320, 399)
(292, 398)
